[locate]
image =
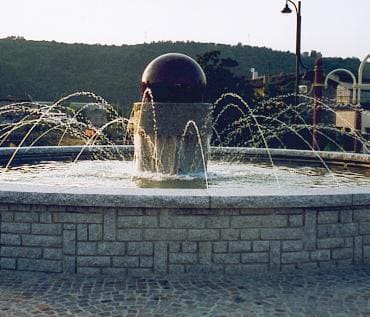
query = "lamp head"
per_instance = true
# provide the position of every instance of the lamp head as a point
(286, 9)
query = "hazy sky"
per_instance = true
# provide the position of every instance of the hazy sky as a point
(333, 27)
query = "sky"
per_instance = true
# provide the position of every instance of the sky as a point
(332, 27)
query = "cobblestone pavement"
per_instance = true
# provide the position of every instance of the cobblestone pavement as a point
(344, 292)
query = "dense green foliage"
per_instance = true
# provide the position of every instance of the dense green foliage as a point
(49, 70)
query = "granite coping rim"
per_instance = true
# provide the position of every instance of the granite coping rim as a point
(214, 198)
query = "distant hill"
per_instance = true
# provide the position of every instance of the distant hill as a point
(49, 70)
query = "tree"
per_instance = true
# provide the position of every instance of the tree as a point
(221, 80)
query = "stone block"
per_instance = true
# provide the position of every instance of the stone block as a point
(52, 254)
(190, 221)
(140, 248)
(174, 246)
(114, 271)
(240, 246)
(346, 216)
(310, 230)
(95, 232)
(281, 233)
(129, 234)
(220, 247)
(366, 239)
(146, 261)
(165, 234)
(358, 250)
(295, 220)
(87, 248)
(327, 265)
(7, 216)
(255, 257)
(21, 252)
(46, 228)
(125, 261)
(69, 264)
(53, 208)
(77, 209)
(139, 272)
(341, 254)
(348, 242)
(69, 242)
(176, 269)
(204, 269)
(263, 221)
(308, 266)
(165, 219)
(288, 267)
(160, 257)
(8, 264)
(93, 271)
(203, 234)
(130, 211)
(217, 222)
(330, 243)
(111, 248)
(365, 228)
(361, 215)
(246, 268)
(39, 265)
(320, 255)
(10, 239)
(295, 257)
(367, 251)
(82, 232)
(11, 227)
(137, 222)
(337, 230)
(188, 246)
(292, 245)
(69, 226)
(46, 217)
(226, 258)
(344, 263)
(74, 217)
(250, 234)
(109, 226)
(26, 217)
(328, 217)
(205, 253)
(260, 246)
(183, 258)
(93, 261)
(20, 207)
(275, 256)
(42, 241)
(230, 234)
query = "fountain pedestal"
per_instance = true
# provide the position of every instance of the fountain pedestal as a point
(171, 138)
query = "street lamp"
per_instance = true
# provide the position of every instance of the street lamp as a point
(287, 10)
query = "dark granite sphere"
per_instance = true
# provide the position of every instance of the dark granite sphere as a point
(174, 78)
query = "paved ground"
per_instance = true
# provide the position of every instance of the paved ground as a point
(301, 293)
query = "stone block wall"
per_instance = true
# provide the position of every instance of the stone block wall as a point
(142, 241)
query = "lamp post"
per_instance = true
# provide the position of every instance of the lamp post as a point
(298, 42)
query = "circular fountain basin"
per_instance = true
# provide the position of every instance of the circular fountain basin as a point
(144, 231)
(245, 168)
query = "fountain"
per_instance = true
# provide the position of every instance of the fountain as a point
(171, 135)
(107, 228)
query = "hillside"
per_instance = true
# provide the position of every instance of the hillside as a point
(49, 70)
